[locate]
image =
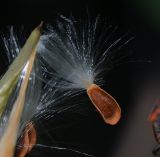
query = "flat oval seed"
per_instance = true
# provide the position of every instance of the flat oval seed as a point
(28, 141)
(105, 104)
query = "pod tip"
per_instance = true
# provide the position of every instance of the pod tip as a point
(41, 24)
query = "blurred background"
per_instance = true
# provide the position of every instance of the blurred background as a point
(134, 84)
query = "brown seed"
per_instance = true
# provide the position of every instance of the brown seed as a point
(28, 140)
(105, 104)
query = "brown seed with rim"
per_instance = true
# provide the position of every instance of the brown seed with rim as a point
(28, 141)
(105, 104)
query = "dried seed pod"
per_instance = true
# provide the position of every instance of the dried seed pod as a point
(8, 140)
(9, 80)
(105, 104)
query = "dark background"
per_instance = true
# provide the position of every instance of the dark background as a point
(135, 84)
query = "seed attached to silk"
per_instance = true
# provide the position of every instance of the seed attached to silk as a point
(28, 141)
(105, 104)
